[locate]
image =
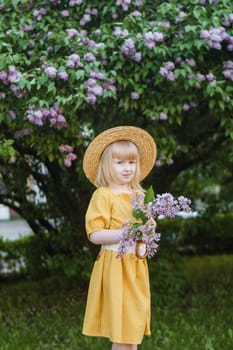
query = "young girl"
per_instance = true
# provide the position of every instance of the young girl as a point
(118, 303)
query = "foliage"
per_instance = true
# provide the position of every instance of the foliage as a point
(201, 235)
(34, 257)
(50, 315)
(69, 69)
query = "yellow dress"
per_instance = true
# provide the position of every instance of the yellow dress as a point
(118, 302)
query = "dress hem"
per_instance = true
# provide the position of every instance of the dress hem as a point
(113, 340)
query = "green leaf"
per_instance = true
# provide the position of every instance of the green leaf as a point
(150, 195)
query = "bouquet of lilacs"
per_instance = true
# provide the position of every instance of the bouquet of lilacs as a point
(146, 209)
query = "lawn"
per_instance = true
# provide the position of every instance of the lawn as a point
(47, 314)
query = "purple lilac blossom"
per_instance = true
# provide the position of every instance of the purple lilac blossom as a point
(145, 230)
(124, 4)
(85, 19)
(228, 70)
(128, 50)
(74, 61)
(4, 77)
(163, 116)
(136, 14)
(51, 71)
(89, 57)
(65, 13)
(53, 115)
(215, 37)
(119, 32)
(65, 148)
(186, 107)
(12, 115)
(75, 2)
(135, 95)
(63, 75)
(22, 132)
(71, 33)
(69, 158)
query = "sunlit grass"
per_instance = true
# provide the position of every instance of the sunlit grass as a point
(48, 315)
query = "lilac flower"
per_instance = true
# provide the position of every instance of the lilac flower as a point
(169, 65)
(4, 77)
(191, 62)
(124, 4)
(70, 156)
(71, 33)
(85, 19)
(41, 116)
(22, 132)
(74, 61)
(146, 212)
(63, 75)
(158, 37)
(72, 3)
(135, 95)
(89, 57)
(128, 49)
(168, 206)
(65, 13)
(163, 116)
(149, 40)
(97, 75)
(136, 14)
(65, 148)
(51, 71)
(210, 77)
(215, 37)
(171, 76)
(94, 12)
(91, 99)
(201, 76)
(12, 115)
(13, 74)
(97, 32)
(186, 107)
(138, 57)
(164, 72)
(138, 3)
(228, 74)
(119, 32)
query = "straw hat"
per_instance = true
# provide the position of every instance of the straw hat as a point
(144, 141)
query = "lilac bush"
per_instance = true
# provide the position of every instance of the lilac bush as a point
(69, 69)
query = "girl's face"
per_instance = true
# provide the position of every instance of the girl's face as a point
(123, 170)
(119, 165)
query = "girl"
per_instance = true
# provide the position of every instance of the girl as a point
(118, 302)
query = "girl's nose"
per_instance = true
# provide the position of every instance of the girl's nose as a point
(127, 166)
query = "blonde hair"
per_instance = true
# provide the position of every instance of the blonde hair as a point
(124, 150)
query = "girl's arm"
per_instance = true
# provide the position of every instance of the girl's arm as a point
(105, 236)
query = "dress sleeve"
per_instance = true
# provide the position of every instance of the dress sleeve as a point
(98, 212)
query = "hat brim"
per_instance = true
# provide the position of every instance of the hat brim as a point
(144, 141)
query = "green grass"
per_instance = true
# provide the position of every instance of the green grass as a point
(48, 314)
